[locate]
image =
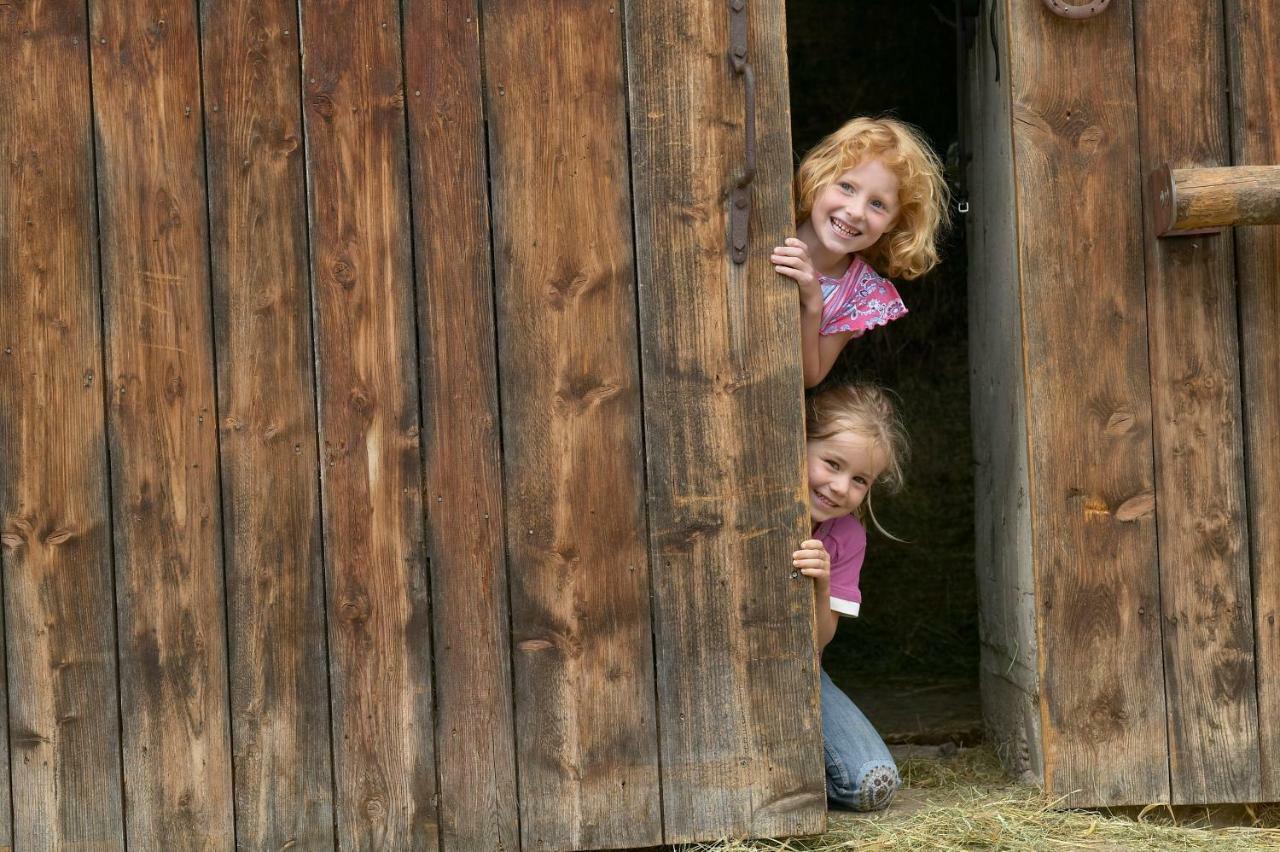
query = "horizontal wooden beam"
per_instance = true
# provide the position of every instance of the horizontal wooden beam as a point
(1205, 200)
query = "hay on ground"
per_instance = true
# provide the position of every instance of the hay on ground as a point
(966, 803)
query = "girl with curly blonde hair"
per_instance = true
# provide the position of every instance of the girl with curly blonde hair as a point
(869, 197)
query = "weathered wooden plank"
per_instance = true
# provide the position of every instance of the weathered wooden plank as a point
(54, 507)
(999, 379)
(724, 433)
(270, 480)
(6, 819)
(1253, 50)
(475, 743)
(361, 272)
(163, 444)
(571, 421)
(1195, 396)
(1089, 405)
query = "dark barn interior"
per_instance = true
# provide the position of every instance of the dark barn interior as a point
(910, 660)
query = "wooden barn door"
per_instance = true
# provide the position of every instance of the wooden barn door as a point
(392, 453)
(1130, 640)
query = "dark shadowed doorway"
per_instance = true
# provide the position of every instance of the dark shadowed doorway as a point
(910, 661)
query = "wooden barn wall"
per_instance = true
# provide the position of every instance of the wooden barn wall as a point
(1002, 512)
(55, 533)
(1149, 372)
(475, 755)
(267, 424)
(1075, 146)
(1205, 591)
(734, 693)
(1253, 57)
(390, 454)
(162, 425)
(586, 729)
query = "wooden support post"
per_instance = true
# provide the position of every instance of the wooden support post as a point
(1199, 201)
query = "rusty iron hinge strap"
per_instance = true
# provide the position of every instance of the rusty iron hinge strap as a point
(740, 196)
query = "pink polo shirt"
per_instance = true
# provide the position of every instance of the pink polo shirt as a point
(846, 541)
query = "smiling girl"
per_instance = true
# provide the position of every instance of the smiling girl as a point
(854, 443)
(869, 195)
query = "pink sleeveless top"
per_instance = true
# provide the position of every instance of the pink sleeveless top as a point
(858, 301)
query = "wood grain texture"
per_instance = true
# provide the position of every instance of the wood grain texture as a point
(6, 819)
(271, 502)
(1253, 52)
(163, 417)
(571, 420)
(55, 526)
(475, 739)
(1075, 144)
(998, 387)
(362, 278)
(724, 433)
(1205, 594)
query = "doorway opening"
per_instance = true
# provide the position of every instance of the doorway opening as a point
(910, 660)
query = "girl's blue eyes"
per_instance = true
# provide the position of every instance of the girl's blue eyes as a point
(846, 187)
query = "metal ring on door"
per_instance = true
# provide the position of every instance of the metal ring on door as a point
(1064, 9)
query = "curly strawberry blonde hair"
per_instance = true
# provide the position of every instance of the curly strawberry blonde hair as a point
(909, 248)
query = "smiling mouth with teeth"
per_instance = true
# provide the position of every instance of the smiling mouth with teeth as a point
(823, 500)
(843, 229)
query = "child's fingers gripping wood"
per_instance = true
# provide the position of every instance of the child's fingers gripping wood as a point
(812, 560)
(792, 257)
(792, 260)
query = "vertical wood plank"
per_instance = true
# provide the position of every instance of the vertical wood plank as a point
(724, 432)
(463, 477)
(583, 660)
(1075, 144)
(271, 512)
(54, 505)
(379, 623)
(6, 817)
(164, 464)
(999, 377)
(1253, 49)
(1205, 594)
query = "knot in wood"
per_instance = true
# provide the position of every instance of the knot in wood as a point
(343, 274)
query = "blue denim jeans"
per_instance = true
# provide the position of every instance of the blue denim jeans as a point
(861, 773)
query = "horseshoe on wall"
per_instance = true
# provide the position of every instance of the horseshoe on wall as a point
(1066, 10)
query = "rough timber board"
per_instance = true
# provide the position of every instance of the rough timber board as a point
(463, 478)
(1002, 515)
(375, 559)
(726, 501)
(1205, 595)
(1253, 51)
(573, 457)
(162, 426)
(270, 479)
(1089, 408)
(55, 529)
